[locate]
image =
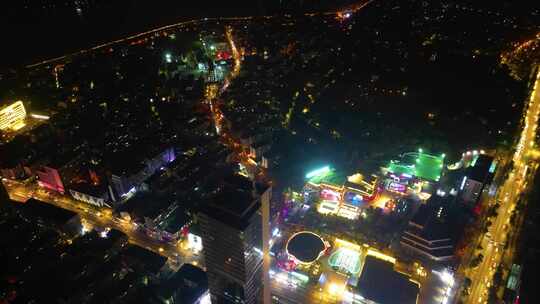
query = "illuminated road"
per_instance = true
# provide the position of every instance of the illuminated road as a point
(161, 30)
(93, 216)
(509, 194)
(103, 218)
(140, 36)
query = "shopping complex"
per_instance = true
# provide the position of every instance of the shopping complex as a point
(339, 194)
(345, 272)
(414, 172)
(335, 193)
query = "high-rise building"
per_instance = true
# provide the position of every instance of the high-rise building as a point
(235, 232)
(429, 234)
(435, 229)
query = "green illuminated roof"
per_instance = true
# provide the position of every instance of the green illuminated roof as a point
(421, 165)
(398, 169)
(332, 177)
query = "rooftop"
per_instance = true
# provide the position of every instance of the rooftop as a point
(47, 213)
(234, 199)
(433, 219)
(305, 246)
(90, 189)
(376, 279)
(175, 220)
(482, 168)
(145, 204)
(188, 284)
(433, 230)
(331, 177)
(131, 160)
(421, 165)
(152, 262)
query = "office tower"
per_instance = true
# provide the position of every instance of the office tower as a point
(235, 232)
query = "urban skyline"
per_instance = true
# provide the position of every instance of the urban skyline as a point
(357, 152)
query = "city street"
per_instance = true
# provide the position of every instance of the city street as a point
(255, 110)
(102, 218)
(509, 194)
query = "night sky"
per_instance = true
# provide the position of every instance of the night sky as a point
(31, 34)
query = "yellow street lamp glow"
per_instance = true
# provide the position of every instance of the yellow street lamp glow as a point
(381, 256)
(38, 116)
(348, 244)
(333, 288)
(336, 289)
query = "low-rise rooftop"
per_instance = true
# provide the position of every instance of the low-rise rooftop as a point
(381, 284)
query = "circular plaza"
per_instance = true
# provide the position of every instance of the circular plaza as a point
(305, 247)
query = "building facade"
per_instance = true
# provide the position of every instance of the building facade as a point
(478, 177)
(235, 239)
(12, 116)
(126, 180)
(49, 178)
(90, 194)
(428, 233)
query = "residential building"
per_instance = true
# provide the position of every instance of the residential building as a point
(189, 285)
(128, 173)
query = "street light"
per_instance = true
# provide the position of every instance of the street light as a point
(168, 57)
(447, 277)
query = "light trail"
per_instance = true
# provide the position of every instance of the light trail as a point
(509, 193)
(103, 217)
(157, 31)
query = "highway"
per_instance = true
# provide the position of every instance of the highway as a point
(509, 194)
(161, 30)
